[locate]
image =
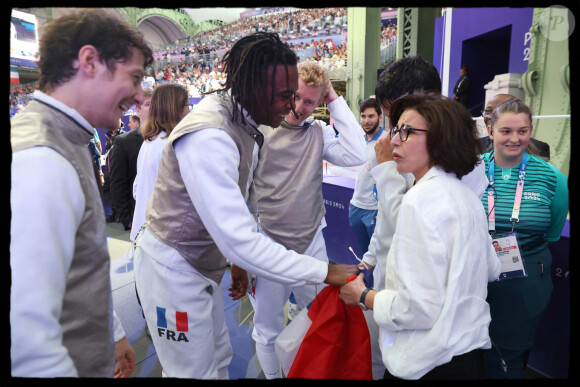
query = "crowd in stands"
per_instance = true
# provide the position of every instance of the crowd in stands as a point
(388, 34)
(205, 75)
(19, 97)
(289, 25)
(196, 76)
(194, 62)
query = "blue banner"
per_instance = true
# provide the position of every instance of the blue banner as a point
(23, 62)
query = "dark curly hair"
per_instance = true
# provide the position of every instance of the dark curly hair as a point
(246, 65)
(62, 39)
(370, 103)
(452, 139)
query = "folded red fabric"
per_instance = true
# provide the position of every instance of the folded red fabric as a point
(337, 345)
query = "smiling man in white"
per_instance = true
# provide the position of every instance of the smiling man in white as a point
(61, 314)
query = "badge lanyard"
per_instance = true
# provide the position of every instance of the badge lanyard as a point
(518, 198)
(508, 250)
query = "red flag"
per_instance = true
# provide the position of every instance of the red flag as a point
(337, 345)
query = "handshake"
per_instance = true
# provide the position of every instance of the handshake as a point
(352, 284)
(336, 276)
(339, 274)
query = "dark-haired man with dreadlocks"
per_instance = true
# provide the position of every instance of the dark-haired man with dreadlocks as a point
(197, 216)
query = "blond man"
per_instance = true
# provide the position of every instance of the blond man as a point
(286, 196)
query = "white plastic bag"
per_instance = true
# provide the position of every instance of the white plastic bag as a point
(289, 340)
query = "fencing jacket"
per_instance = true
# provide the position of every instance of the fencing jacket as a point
(77, 275)
(171, 215)
(287, 189)
(198, 206)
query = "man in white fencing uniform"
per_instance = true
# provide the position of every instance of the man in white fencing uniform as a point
(286, 197)
(197, 216)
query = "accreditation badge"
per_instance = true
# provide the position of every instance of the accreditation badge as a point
(508, 251)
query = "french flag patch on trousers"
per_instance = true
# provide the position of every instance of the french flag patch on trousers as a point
(167, 330)
(180, 320)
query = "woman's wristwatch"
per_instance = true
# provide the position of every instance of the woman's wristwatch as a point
(362, 299)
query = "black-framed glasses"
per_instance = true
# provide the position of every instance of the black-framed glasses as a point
(486, 113)
(404, 131)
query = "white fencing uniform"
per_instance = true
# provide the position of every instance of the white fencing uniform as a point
(286, 199)
(197, 217)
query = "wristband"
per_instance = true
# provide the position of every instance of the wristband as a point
(362, 299)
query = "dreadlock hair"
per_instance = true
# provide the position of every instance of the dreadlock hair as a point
(246, 67)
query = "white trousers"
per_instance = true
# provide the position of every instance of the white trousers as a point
(376, 354)
(184, 312)
(270, 298)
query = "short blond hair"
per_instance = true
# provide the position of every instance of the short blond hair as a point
(314, 75)
(147, 93)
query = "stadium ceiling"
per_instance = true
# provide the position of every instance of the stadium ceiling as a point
(162, 28)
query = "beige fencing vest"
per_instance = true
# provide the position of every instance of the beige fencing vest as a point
(171, 215)
(287, 189)
(87, 311)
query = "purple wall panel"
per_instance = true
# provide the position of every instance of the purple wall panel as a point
(472, 22)
(337, 192)
(438, 41)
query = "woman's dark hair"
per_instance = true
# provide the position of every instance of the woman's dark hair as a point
(452, 141)
(60, 43)
(246, 66)
(167, 102)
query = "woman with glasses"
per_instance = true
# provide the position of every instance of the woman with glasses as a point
(526, 205)
(432, 314)
(169, 104)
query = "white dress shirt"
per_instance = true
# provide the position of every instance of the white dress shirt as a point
(433, 306)
(391, 186)
(363, 196)
(147, 166)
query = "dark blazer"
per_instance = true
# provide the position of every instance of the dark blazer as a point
(462, 91)
(122, 171)
(543, 148)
